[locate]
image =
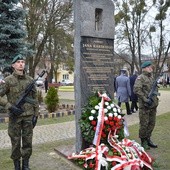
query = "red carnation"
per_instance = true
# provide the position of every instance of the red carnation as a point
(113, 163)
(111, 123)
(106, 122)
(113, 128)
(91, 165)
(110, 118)
(93, 122)
(116, 119)
(114, 150)
(103, 135)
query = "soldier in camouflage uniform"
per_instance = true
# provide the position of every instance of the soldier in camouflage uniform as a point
(21, 120)
(147, 107)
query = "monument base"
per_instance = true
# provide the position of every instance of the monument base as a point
(64, 151)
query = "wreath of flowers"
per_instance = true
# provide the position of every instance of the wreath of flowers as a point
(113, 120)
(113, 151)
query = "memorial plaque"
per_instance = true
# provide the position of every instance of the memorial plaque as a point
(96, 66)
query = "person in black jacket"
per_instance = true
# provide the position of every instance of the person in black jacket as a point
(46, 85)
(133, 97)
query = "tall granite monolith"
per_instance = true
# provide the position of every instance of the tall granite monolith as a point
(93, 49)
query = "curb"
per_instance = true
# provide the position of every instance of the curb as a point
(61, 113)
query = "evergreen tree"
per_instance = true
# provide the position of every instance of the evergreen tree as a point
(12, 32)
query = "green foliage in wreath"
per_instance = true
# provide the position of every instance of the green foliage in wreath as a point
(113, 120)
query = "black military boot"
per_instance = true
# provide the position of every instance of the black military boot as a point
(25, 164)
(17, 164)
(144, 144)
(151, 144)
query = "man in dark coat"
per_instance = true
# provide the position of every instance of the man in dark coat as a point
(133, 97)
(123, 91)
(46, 85)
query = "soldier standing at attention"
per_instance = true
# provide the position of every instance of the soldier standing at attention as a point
(147, 107)
(21, 120)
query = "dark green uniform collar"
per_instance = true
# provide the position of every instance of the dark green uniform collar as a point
(19, 76)
(147, 73)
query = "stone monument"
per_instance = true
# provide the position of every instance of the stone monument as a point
(93, 49)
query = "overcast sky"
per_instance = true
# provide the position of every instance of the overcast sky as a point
(150, 19)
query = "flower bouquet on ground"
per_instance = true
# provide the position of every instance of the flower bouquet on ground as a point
(103, 127)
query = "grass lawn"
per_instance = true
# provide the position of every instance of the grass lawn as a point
(46, 121)
(66, 88)
(161, 136)
(164, 89)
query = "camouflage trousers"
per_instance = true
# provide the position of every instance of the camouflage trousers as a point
(20, 131)
(147, 120)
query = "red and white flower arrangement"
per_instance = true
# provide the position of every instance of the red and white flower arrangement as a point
(102, 124)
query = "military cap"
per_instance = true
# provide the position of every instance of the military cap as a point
(123, 70)
(146, 64)
(18, 57)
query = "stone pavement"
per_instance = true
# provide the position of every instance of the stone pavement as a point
(54, 132)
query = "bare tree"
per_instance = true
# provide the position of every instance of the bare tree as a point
(160, 44)
(131, 30)
(42, 17)
(136, 31)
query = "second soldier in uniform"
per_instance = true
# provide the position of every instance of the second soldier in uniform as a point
(147, 107)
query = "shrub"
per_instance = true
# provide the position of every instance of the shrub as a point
(51, 99)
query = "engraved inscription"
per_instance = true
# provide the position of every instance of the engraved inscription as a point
(97, 63)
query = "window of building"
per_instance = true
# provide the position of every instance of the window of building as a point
(65, 76)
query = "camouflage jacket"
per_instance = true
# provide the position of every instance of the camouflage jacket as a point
(142, 87)
(13, 86)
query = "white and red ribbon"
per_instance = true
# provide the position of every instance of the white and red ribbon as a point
(99, 128)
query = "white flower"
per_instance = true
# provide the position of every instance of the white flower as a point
(119, 116)
(93, 111)
(118, 110)
(106, 103)
(96, 107)
(115, 114)
(110, 114)
(105, 118)
(105, 110)
(100, 104)
(112, 105)
(91, 118)
(115, 109)
(108, 107)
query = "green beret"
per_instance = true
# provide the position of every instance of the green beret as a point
(146, 64)
(18, 57)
